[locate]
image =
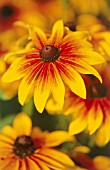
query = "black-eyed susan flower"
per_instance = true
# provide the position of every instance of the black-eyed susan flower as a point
(92, 113)
(25, 148)
(48, 62)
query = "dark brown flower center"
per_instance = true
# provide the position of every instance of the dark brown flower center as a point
(98, 91)
(49, 53)
(24, 146)
(6, 11)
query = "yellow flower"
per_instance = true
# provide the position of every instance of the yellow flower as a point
(92, 113)
(47, 63)
(100, 36)
(25, 148)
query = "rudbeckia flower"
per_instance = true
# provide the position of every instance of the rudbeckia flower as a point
(25, 148)
(100, 36)
(92, 113)
(48, 62)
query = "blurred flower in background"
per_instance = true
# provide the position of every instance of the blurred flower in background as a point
(61, 72)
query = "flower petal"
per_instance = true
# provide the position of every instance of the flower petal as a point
(103, 134)
(9, 164)
(42, 89)
(57, 33)
(95, 117)
(31, 165)
(84, 68)
(25, 87)
(9, 132)
(38, 37)
(77, 125)
(58, 156)
(13, 73)
(56, 138)
(72, 79)
(91, 57)
(56, 86)
(22, 165)
(22, 124)
(42, 165)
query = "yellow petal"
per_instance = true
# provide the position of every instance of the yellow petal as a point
(48, 161)
(58, 156)
(103, 134)
(73, 80)
(22, 124)
(9, 164)
(95, 117)
(84, 68)
(42, 90)
(42, 165)
(102, 162)
(52, 107)
(77, 125)
(56, 86)
(13, 72)
(38, 37)
(81, 149)
(57, 33)
(9, 132)
(31, 165)
(92, 57)
(56, 138)
(25, 87)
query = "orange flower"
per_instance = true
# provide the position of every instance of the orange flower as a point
(92, 113)
(25, 148)
(48, 62)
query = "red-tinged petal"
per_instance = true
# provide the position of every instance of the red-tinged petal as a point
(72, 79)
(31, 165)
(13, 73)
(40, 163)
(9, 132)
(22, 165)
(38, 37)
(95, 117)
(57, 33)
(50, 162)
(77, 125)
(28, 81)
(22, 124)
(84, 68)
(42, 89)
(57, 156)
(56, 85)
(56, 138)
